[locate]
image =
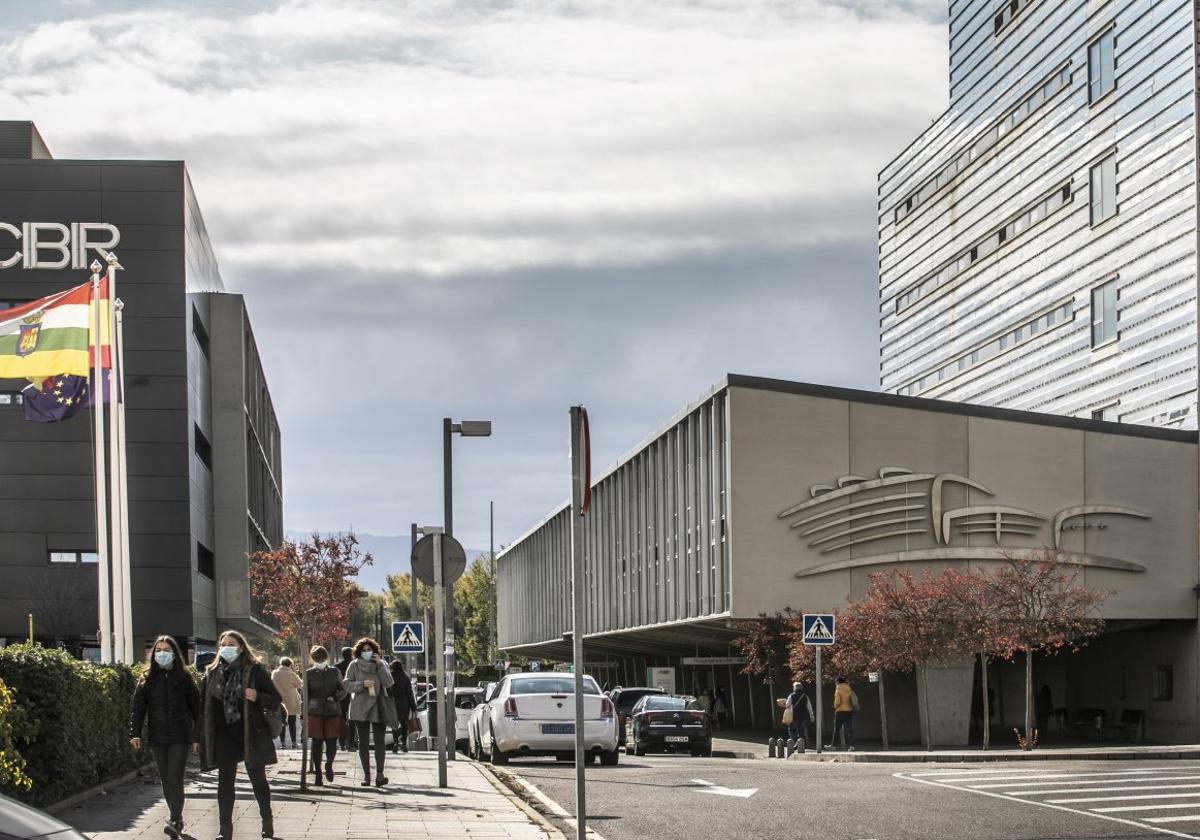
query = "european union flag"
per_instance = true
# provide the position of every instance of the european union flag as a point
(56, 398)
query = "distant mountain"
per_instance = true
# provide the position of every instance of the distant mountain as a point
(390, 552)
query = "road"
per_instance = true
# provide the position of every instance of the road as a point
(681, 798)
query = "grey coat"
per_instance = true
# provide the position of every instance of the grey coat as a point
(362, 705)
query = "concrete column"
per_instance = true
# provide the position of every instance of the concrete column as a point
(949, 702)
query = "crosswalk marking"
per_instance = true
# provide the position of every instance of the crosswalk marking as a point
(1105, 795)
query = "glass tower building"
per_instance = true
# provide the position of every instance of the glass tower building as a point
(1037, 243)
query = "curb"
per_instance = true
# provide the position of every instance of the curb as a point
(506, 789)
(735, 754)
(522, 788)
(102, 788)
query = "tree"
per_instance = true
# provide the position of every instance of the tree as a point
(308, 587)
(364, 620)
(858, 652)
(766, 643)
(473, 596)
(399, 594)
(1044, 607)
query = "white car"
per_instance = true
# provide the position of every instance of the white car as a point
(465, 701)
(534, 714)
(477, 716)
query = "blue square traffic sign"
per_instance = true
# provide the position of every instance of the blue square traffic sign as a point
(819, 629)
(408, 637)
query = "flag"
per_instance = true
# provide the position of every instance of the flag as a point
(52, 336)
(56, 398)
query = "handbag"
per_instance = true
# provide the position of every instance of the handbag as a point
(414, 723)
(853, 701)
(789, 716)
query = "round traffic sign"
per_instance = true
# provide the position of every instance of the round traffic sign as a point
(454, 565)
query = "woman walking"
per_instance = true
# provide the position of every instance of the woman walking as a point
(237, 693)
(288, 684)
(167, 700)
(406, 704)
(325, 725)
(371, 707)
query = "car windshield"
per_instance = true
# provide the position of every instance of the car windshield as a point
(628, 697)
(564, 684)
(668, 703)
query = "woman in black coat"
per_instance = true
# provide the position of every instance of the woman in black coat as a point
(406, 703)
(167, 703)
(237, 692)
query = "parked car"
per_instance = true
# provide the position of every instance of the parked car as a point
(466, 699)
(534, 714)
(624, 699)
(671, 724)
(23, 822)
(477, 716)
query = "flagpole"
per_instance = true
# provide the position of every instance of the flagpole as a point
(104, 634)
(120, 641)
(122, 466)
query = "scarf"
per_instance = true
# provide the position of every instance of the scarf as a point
(227, 687)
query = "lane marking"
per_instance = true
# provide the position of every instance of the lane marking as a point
(1054, 807)
(1188, 818)
(721, 790)
(1160, 807)
(1060, 791)
(1020, 789)
(1122, 798)
(1002, 781)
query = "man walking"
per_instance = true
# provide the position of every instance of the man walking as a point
(845, 704)
(801, 708)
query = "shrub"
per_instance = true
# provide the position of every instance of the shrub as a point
(12, 765)
(72, 721)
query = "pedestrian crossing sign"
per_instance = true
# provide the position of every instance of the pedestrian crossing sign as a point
(408, 637)
(819, 629)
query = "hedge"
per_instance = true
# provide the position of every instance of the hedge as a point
(12, 765)
(70, 721)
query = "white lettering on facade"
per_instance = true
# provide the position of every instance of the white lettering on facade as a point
(50, 245)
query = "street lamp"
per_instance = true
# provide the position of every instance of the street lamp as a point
(466, 428)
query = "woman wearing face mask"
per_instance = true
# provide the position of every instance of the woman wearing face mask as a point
(236, 690)
(166, 701)
(325, 694)
(371, 709)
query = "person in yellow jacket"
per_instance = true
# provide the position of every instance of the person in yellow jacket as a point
(845, 704)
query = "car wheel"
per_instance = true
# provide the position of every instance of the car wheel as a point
(472, 749)
(499, 757)
(589, 758)
(638, 748)
(609, 759)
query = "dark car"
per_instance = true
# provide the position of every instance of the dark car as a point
(624, 699)
(22, 822)
(670, 724)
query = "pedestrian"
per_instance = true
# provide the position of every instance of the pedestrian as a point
(1043, 708)
(720, 706)
(801, 708)
(238, 695)
(325, 723)
(288, 684)
(704, 701)
(166, 700)
(371, 706)
(348, 733)
(406, 704)
(845, 704)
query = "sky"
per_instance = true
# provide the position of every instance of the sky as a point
(495, 210)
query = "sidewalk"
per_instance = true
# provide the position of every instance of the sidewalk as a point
(411, 807)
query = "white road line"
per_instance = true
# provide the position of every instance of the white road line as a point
(1116, 798)
(1007, 781)
(1160, 807)
(1188, 818)
(1060, 791)
(1016, 789)
(1040, 804)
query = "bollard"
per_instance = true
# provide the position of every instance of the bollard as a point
(791, 746)
(770, 748)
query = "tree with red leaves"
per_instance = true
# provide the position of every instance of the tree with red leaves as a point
(1044, 607)
(308, 587)
(980, 630)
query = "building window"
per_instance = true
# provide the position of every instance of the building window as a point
(1104, 313)
(1108, 413)
(1102, 65)
(203, 447)
(199, 331)
(205, 562)
(1104, 189)
(74, 557)
(1164, 682)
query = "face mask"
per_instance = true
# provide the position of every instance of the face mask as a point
(367, 655)
(321, 665)
(228, 653)
(164, 658)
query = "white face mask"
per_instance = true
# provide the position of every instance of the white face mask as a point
(164, 658)
(367, 655)
(228, 652)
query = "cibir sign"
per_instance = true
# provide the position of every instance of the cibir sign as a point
(51, 245)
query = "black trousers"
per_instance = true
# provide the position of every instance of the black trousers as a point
(331, 747)
(226, 775)
(400, 732)
(291, 728)
(171, 760)
(366, 728)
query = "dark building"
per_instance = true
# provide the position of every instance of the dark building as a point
(203, 440)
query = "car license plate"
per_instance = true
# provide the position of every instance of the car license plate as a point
(677, 739)
(558, 729)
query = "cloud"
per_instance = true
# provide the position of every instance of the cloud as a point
(506, 205)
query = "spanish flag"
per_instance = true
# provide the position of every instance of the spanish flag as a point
(53, 336)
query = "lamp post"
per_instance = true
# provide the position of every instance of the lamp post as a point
(466, 428)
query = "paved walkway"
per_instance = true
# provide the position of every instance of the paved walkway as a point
(411, 807)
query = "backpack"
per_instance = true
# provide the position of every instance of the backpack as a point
(854, 701)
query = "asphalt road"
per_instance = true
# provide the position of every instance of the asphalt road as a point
(669, 798)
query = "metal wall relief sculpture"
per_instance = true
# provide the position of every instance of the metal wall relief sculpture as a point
(856, 511)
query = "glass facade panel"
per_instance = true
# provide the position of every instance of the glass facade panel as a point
(1104, 313)
(1103, 189)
